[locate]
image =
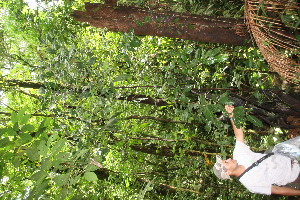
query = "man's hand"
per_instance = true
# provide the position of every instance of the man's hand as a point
(286, 191)
(229, 109)
(238, 132)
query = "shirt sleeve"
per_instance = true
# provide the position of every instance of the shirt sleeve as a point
(260, 190)
(241, 150)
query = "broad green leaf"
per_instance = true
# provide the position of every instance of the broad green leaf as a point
(32, 154)
(254, 120)
(90, 167)
(42, 148)
(14, 117)
(21, 112)
(208, 114)
(112, 122)
(135, 42)
(25, 137)
(11, 131)
(61, 158)
(51, 51)
(80, 153)
(96, 9)
(39, 176)
(74, 180)
(8, 155)
(147, 188)
(16, 161)
(40, 189)
(51, 139)
(46, 164)
(61, 179)
(122, 77)
(4, 142)
(90, 176)
(239, 111)
(58, 146)
(28, 128)
(63, 193)
(224, 98)
(2, 131)
(24, 119)
(16, 126)
(239, 116)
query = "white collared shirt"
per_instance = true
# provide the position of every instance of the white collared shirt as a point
(276, 169)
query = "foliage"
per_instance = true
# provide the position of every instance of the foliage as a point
(81, 122)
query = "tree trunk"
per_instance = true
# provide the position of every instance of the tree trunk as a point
(166, 151)
(165, 24)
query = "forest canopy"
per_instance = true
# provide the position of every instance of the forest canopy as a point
(91, 113)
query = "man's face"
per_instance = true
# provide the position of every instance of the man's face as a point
(229, 164)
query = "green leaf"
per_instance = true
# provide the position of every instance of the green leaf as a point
(239, 111)
(191, 26)
(8, 155)
(25, 138)
(14, 117)
(147, 19)
(90, 176)
(51, 51)
(122, 77)
(262, 7)
(135, 42)
(298, 23)
(16, 126)
(139, 23)
(10, 131)
(147, 188)
(111, 123)
(96, 9)
(208, 114)
(24, 119)
(224, 98)
(46, 164)
(43, 126)
(39, 176)
(254, 120)
(58, 146)
(74, 180)
(16, 162)
(4, 142)
(21, 112)
(63, 193)
(42, 148)
(91, 167)
(32, 154)
(28, 128)
(80, 153)
(60, 158)
(38, 190)
(239, 116)
(2, 131)
(61, 179)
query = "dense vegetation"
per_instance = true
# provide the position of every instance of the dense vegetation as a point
(92, 114)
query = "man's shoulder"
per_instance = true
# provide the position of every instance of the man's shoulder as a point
(256, 183)
(241, 147)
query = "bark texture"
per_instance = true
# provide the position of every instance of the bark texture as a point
(166, 24)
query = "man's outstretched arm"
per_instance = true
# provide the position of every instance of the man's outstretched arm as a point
(286, 191)
(238, 132)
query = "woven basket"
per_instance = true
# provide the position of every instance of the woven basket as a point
(273, 29)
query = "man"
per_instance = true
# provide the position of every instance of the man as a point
(268, 177)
